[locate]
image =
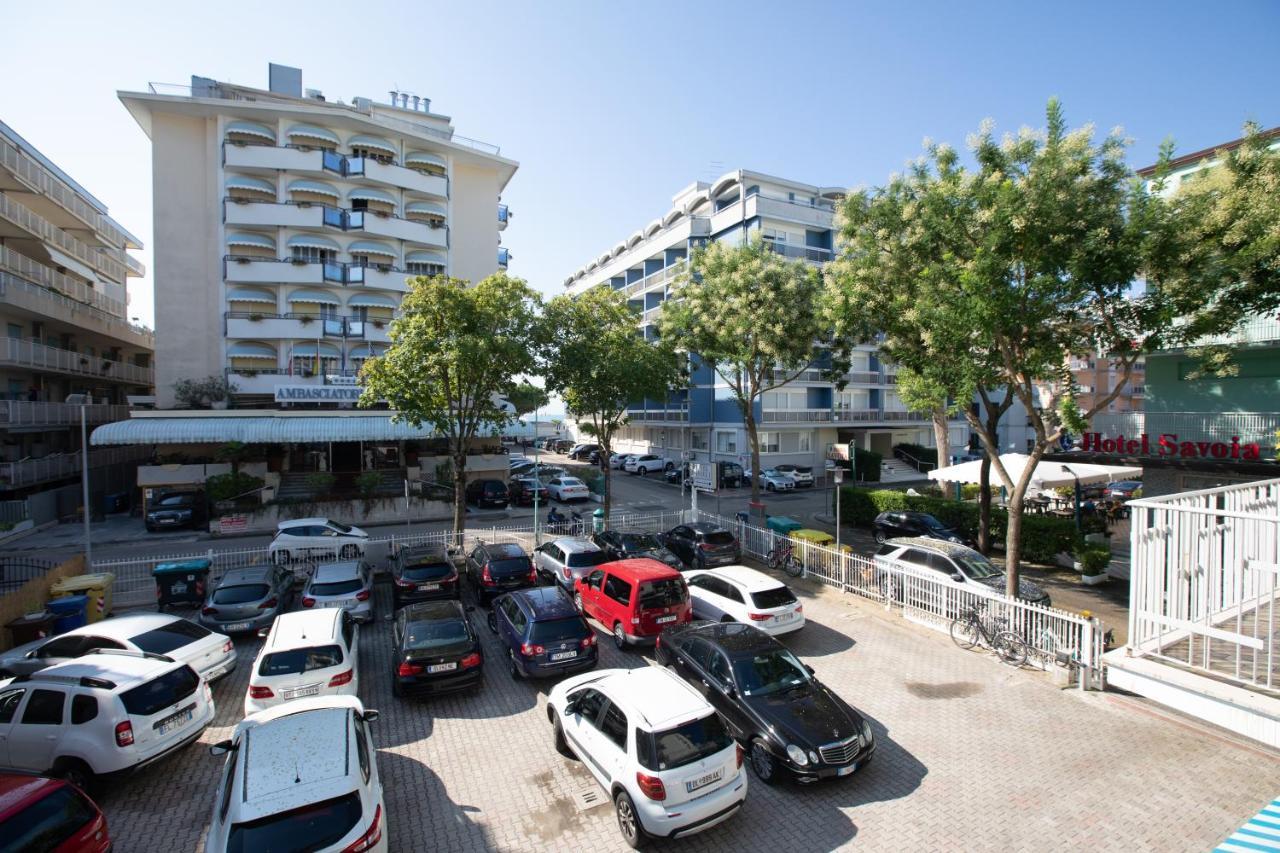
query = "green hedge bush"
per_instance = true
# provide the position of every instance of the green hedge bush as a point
(867, 464)
(919, 451)
(224, 487)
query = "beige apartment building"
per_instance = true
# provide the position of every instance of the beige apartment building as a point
(287, 225)
(1096, 376)
(69, 347)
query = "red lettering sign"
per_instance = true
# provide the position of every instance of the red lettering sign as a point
(1167, 444)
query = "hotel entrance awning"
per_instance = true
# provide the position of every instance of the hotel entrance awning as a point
(284, 428)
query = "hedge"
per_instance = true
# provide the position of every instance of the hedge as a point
(919, 451)
(867, 465)
(1042, 536)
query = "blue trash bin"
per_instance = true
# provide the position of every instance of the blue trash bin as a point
(71, 611)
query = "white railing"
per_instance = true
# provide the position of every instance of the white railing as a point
(1259, 330)
(100, 259)
(770, 416)
(653, 279)
(32, 413)
(27, 472)
(1205, 581)
(1053, 636)
(22, 353)
(115, 326)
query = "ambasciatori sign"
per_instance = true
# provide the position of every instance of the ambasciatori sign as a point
(318, 393)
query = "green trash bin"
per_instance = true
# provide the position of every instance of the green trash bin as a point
(597, 520)
(181, 582)
(782, 524)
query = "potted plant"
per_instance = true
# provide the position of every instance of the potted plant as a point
(306, 319)
(255, 318)
(241, 259)
(378, 324)
(1092, 564)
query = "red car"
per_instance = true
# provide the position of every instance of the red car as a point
(635, 599)
(37, 813)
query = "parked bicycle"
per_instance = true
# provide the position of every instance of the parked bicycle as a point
(783, 556)
(970, 629)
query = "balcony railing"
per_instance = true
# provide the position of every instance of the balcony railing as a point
(808, 253)
(23, 218)
(653, 279)
(38, 273)
(19, 353)
(658, 414)
(802, 376)
(29, 472)
(1260, 330)
(504, 215)
(791, 416)
(504, 258)
(38, 413)
(13, 289)
(876, 416)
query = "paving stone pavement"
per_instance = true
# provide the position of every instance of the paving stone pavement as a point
(972, 756)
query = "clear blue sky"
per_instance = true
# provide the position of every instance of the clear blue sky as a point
(612, 107)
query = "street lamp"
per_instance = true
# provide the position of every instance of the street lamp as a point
(837, 477)
(537, 480)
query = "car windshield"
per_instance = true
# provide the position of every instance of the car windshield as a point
(175, 500)
(583, 559)
(767, 598)
(570, 481)
(693, 741)
(720, 537)
(769, 672)
(977, 566)
(345, 587)
(159, 693)
(316, 826)
(165, 639)
(427, 571)
(435, 634)
(48, 822)
(241, 594)
(296, 661)
(510, 566)
(662, 593)
(568, 628)
(341, 528)
(932, 523)
(639, 542)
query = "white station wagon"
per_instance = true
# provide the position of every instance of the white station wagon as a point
(306, 653)
(740, 594)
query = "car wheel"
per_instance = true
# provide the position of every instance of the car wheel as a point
(492, 621)
(516, 674)
(768, 487)
(619, 636)
(643, 472)
(726, 618)
(282, 558)
(880, 537)
(74, 771)
(628, 821)
(396, 690)
(562, 745)
(763, 764)
(577, 602)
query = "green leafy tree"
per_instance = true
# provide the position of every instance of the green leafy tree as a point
(455, 352)
(597, 362)
(234, 452)
(527, 398)
(757, 319)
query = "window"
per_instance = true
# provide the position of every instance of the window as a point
(322, 825)
(805, 443)
(942, 565)
(348, 630)
(726, 442)
(697, 441)
(689, 743)
(241, 594)
(9, 701)
(362, 746)
(720, 668)
(769, 442)
(617, 589)
(297, 661)
(159, 693)
(614, 726)
(312, 254)
(414, 268)
(732, 593)
(589, 703)
(519, 620)
(165, 639)
(83, 709)
(698, 651)
(44, 708)
(62, 647)
(769, 598)
(228, 781)
(48, 822)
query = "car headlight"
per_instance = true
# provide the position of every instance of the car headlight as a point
(796, 754)
(813, 756)
(866, 732)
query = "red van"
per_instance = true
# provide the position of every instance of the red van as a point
(635, 599)
(50, 815)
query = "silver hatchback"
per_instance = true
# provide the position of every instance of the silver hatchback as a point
(247, 599)
(347, 584)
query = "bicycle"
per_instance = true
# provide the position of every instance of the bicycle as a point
(969, 629)
(783, 557)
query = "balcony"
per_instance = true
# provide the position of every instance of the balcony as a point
(23, 218)
(809, 375)
(504, 258)
(862, 416)
(399, 176)
(382, 278)
(504, 216)
(658, 415)
(820, 215)
(1259, 330)
(241, 269)
(806, 253)
(662, 276)
(386, 225)
(275, 214)
(30, 472)
(279, 158)
(302, 326)
(795, 416)
(864, 377)
(25, 413)
(15, 352)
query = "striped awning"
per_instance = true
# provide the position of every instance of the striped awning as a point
(309, 348)
(251, 128)
(280, 428)
(310, 131)
(371, 247)
(423, 256)
(372, 300)
(368, 351)
(377, 143)
(244, 182)
(319, 297)
(370, 194)
(427, 208)
(244, 238)
(248, 349)
(313, 241)
(248, 294)
(317, 187)
(422, 158)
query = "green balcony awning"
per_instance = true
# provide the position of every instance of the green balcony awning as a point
(427, 208)
(244, 182)
(368, 351)
(318, 297)
(309, 348)
(423, 158)
(371, 247)
(249, 294)
(256, 428)
(313, 241)
(377, 143)
(310, 131)
(251, 128)
(423, 256)
(372, 300)
(316, 187)
(249, 349)
(245, 238)
(370, 194)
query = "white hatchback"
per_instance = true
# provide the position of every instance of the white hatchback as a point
(301, 777)
(306, 653)
(310, 538)
(655, 744)
(740, 594)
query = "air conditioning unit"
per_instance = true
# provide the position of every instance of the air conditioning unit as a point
(315, 94)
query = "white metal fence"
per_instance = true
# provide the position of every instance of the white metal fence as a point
(1205, 579)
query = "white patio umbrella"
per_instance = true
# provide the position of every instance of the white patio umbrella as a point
(1048, 475)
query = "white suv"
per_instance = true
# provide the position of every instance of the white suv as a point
(307, 538)
(106, 712)
(306, 653)
(644, 463)
(567, 559)
(740, 594)
(657, 747)
(276, 796)
(348, 585)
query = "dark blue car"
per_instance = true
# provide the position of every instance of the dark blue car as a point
(543, 633)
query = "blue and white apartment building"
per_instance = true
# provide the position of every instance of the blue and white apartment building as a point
(807, 420)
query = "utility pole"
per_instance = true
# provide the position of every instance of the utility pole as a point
(84, 485)
(537, 480)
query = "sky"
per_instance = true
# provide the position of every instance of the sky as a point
(611, 108)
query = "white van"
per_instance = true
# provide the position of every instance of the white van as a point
(307, 653)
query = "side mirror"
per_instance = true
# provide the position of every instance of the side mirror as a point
(957, 577)
(222, 747)
(31, 653)
(730, 691)
(809, 669)
(263, 632)
(370, 715)
(571, 709)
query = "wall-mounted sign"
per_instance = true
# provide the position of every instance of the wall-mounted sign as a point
(233, 523)
(318, 393)
(1168, 444)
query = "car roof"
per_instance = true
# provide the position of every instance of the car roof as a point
(246, 574)
(505, 549)
(706, 527)
(341, 570)
(300, 522)
(430, 611)
(547, 602)
(951, 549)
(573, 545)
(659, 695)
(640, 569)
(19, 790)
(735, 638)
(127, 625)
(303, 628)
(125, 671)
(282, 766)
(748, 579)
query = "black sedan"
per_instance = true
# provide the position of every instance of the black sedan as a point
(701, 545)
(436, 649)
(891, 525)
(523, 488)
(629, 544)
(790, 723)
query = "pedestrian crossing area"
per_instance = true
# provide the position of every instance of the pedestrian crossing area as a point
(1261, 832)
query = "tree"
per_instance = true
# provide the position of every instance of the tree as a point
(757, 319)
(595, 359)
(234, 452)
(527, 398)
(455, 352)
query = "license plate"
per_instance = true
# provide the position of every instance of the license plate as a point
(845, 771)
(168, 521)
(670, 617)
(180, 586)
(428, 587)
(336, 604)
(703, 781)
(783, 617)
(313, 690)
(563, 655)
(237, 626)
(442, 667)
(175, 721)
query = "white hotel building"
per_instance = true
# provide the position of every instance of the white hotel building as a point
(808, 419)
(287, 224)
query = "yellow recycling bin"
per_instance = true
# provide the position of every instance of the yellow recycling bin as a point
(96, 586)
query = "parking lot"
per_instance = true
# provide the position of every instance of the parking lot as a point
(972, 755)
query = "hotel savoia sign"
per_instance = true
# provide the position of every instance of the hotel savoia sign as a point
(1169, 445)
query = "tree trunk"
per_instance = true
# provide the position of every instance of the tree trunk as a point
(984, 505)
(605, 452)
(750, 421)
(941, 435)
(459, 492)
(1013, 544)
